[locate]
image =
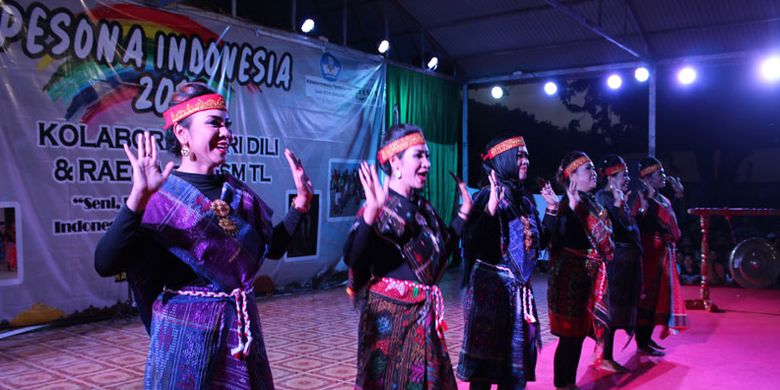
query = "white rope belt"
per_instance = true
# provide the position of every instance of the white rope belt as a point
(240, 299)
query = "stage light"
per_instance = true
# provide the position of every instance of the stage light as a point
(384, 46)
(550, 88)
(641, 74)
(307, 26)
(614, 81)
(770, 68)
(497, 92)
(433, 63)
(687, 75)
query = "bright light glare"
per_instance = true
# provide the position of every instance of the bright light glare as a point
(687, 75)
(307, 26)
(433, 63)
(770, 69)
(641, 74)
(383, 46)
(550, 88)
(497, 92)
(614, 81)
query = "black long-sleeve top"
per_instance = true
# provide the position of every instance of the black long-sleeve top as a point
(370, 254)
(124, 245)
(483, 231)
(567, 229)
(624, 226)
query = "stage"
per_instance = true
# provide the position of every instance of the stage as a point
(311, 342)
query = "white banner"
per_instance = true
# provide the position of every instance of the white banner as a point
(80, 79)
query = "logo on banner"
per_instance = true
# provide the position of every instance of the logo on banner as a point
(330, 67)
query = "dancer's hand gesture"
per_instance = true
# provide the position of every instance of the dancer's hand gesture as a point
(550, 197)
(376, 193)
(496, 193)
(679, 190)
(573, 194)
(147, 176)
(619, 196)
(303, 187)
(466, 202)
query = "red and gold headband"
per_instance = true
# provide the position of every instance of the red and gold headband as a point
(574, 165)
(503, 146)
(617, 168)
(213, 101)
(399, 145)
(647, 171)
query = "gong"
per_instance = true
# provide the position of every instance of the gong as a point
(754, 263)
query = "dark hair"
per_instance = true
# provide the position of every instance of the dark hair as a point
(183, 93)
(505, 164)
(567, 159)
(608, 161)
(393, 134)
(647, 162)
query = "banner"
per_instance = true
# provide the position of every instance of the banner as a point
(81, 79)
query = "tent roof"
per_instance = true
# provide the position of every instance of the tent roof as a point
(476, 39)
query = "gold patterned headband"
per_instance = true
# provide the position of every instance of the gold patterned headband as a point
(574, 165)
(212, 101)
(503, 146)
(399, 145)
(647, 171)
(609, 171)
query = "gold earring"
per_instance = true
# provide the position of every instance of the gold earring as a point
(397, 174)
(185, 151)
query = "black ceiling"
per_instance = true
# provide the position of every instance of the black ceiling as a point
(478, 39)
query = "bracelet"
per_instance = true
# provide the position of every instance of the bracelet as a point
(551, 212)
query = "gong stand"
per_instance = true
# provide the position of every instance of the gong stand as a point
(704, 302)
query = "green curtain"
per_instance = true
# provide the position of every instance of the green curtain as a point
(434, 104)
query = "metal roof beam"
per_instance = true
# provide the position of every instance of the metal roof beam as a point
(591, 26)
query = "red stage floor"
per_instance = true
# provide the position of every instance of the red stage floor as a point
(311, 340)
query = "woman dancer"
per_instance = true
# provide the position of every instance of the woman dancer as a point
(580, 247)
(397, 251)
(502, 242)
(662, 303)
(624, 273)
(191, 242)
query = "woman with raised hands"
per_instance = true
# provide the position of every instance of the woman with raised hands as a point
(503, 237)
(397, 252)
(191, 241)
(624, 273)
(580, 247)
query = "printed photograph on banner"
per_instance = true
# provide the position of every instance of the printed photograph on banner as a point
(305, 243)
(345, 195)
(10, 258)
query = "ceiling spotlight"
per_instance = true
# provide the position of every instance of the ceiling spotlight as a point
(641, 74)
(433, 63)
(307, 26)
(770, 69)
(384, 46)
(687, 75)
(614, 81)
(497, 92)
(550, 88)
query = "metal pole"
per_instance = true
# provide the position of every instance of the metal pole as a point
(651, 114)
(465, 130)
(294, 15)
(344, 24)
(233, 7)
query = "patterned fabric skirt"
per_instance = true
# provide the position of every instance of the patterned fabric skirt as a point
(191, 342)
(570, 294)
(400, 345)
(624, 275)
(501, 338)
(663, 303)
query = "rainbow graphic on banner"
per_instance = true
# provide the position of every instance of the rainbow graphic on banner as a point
(101, 92)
